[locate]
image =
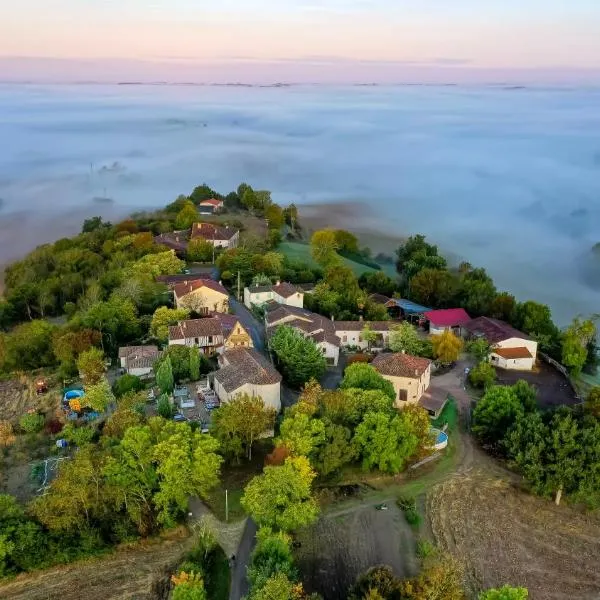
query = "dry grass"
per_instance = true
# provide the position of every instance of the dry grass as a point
(505, 535)
(137, 572)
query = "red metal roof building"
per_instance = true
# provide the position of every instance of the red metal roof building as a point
(448, 318)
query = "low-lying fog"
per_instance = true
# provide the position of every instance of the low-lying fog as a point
(508, 178)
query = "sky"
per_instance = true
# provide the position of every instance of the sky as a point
(301, 40)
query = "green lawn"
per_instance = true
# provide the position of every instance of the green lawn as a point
(448, 415)
(298, 251)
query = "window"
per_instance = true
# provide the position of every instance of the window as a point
(324, 350)
(345, 338)
(403, 395)
(210, 340)
(197, 341)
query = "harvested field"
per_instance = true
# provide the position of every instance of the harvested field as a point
(341, 546)
(139, 572)
(17, 396)
(505, 535)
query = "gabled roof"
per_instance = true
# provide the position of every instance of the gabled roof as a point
(276, 312)
(284, 289)
(139, 357)
(449, 317)
(195, 328)
(317, 327)
(125, 351)
(228, 322)
(182, 289)
(401, 365)
(508, 353)
(493, 330)
(245, 365)
(360, 325)
(211, 202)
(209, 231)
(175, 240)
(172, 280)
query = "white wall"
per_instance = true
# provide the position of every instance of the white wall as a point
(415, 387)
(531, 345)
(352, 338)
(513, 364)
(140, 372)
(251, 297)
(296, 299)
(271, 394)
(330, 351)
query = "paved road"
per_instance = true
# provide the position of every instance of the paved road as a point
(250, 322)
(239, 583)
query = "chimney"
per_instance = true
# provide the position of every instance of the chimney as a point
(416, 372)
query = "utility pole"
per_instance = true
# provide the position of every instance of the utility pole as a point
(226, 507)
(213, 245)
(238, 288)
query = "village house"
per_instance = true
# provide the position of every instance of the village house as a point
(205, 334)
(210, 206)
(138, 360)
(172, 280)
(202, 296)
(282, 293)
(219, 237)
(174, 240)
(245, 371)
(350, 333)
(511, 348)
(410, 375)
(451, 319)
(311, 325)
(235, 335)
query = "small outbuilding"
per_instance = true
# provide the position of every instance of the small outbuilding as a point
(447, 319)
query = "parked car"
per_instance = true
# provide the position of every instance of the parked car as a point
(179, 418)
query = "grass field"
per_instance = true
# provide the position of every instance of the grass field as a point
(298, 251)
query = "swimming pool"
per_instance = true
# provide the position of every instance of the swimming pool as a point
(441, 438)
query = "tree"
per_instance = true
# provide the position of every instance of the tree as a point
(495, 414)
(200, 250)
(378, 283)
(272, 554)
(32, 422)
(335, 451)
(190, 589)
(503, 307)
(441, 578)
(99, 396)
(575, 343)
(274, 215)
(7, 436)
(415, 255)
(447, 346)
(506, 592)
(29, 346)
(164, 376)
(194, 364)
(278, 587)
(535, 319)
(433, 287)
(346, 241)
(164, 408)
(477, 292)
(404, 338)
(126, 384)
(385, 442)
(187, 216)
(68, 345)
(163, 317)
(91, 365)
(281, 497)
(323, 247)
(181, 361)
(74, 434)
(237, 424)
(300, 433)
(158, 263)
(368, 335)
(592, 402)
(479, 349)
(298, 357)
(482, 375)
(365, 377)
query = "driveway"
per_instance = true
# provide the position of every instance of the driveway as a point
(250, 322)
(239, 582)
(333, 376)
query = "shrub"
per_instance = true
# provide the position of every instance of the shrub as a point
(406, 502)
(412, 517)
(127, 383)
(425, 549)
(32, 422)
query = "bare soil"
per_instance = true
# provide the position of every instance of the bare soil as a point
(504, 535)
(344, 544)
(140, 571)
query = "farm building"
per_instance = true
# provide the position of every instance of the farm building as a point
(410, 375)
(138, 360)
(245, 371)
(202, 296)
(511, 349)
(449, 318)
(399, 308)
(282, 293)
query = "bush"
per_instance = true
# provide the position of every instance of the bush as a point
(127, 383)
(425, 549)
(408, 504)
(412, 517)
(32, 422)
(359, 358)
(482, 375)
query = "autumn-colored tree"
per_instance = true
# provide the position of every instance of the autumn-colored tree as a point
(324, 246)
(163, 317)
(447, 346)
(91, 365)
(99, 396)
(7, 436)
(200, 250)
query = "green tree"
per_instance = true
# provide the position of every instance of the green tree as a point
(164, 376)
(181, 362)
(126, 384)
(433, 287)
(164, 407)
(346, 241)
(281, 497)
(378, 283)
(385, 442)
(32, 422)
(447, 346)
(98, 396)
(200, 250)
(187, 216)
(274, 215)
(68, 345)
(592, 402)
(575, 343)
(193, 589)
(29, 346)
(278, 587)
(335, 451)
(194, 364)
(237, 424)
(91, 365)
(535, 319)
(324, 246)
(300, 433)
(153, 265)
(479, 349)
(477, 292)
(503, 307)
(495, 414)
(506, 592)
(482, 375)
(415, 255)
(365, 377)
(74, 434)
(298, 357)
(404, 338)
(271, 555)
(368, 335)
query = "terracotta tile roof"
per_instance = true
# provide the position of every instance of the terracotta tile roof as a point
(196, 328)
(360, 325)
(125, 351)
(245, 365)
(139, 357)
(519, 352)
(209, 231)
(493, 330)
(182, 289)
(401, 365)
(228, 322)
(315, 326)
(172, 280)
(175, 240)
(449, 317)
(285, 290)
(211, 202)
(433, 400)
